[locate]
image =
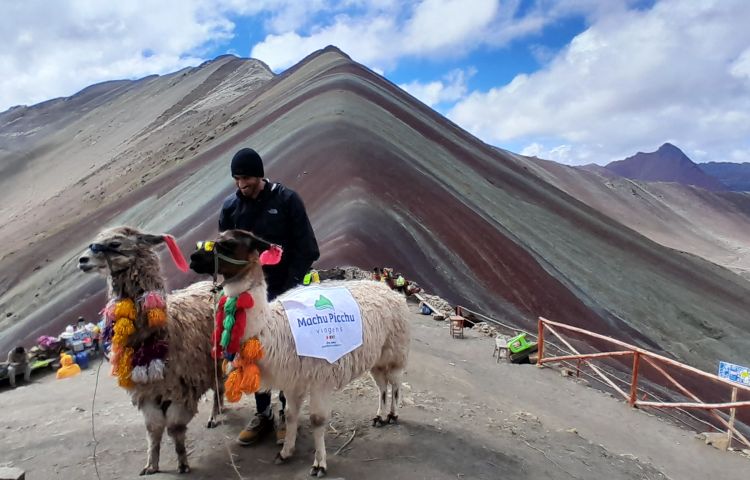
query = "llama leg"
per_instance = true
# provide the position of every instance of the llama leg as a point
(378, 374)
(155, 423)
(320, 413)
(394, 378)
(178, 416)
(213, 420)
(293, 406)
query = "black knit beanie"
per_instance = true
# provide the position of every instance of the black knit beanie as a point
(247, 163)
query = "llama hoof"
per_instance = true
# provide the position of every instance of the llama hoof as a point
(378, 421)
(392, 418)
(212, 423)
(183, 469)
(149, 471)
(319, 472)
(279, 460)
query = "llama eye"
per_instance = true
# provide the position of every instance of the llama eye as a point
(227, 245)
(114, 244)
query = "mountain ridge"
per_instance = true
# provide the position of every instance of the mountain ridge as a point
(667, 164)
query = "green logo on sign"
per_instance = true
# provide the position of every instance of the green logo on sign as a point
(322, 303)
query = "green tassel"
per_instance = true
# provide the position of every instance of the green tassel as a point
(230, 308)
(226, 336)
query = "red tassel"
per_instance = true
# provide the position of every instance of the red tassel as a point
(240, 320)
(272, 256)
(174, 250)
(245, 300)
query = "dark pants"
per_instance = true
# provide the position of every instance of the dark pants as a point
(263, 402)
(263, 399)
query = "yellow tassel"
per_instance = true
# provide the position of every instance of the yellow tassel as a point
(252, 350)
(157, 318)
(232, 387)
(125, 368)
(125, 308)
(124, 328)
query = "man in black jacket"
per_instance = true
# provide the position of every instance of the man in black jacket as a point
(277, 215)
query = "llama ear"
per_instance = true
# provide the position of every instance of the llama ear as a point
(149, 239)
(271, 256)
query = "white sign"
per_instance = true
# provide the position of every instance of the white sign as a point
(325, 321)
(734, 373)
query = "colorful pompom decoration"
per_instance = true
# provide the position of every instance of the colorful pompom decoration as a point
(157, 318)
(231, 320)
(146, 362)
(245, 378)
(155, 306)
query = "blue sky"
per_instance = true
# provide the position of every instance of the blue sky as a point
(576, 81)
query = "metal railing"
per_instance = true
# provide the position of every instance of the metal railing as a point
(653, 360)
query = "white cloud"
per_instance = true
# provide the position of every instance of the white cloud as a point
(450, 88)
(50, 49)
(559, 153)
(634, 79)
(384, 32)
(439, 24)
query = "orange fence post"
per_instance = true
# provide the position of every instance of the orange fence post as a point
(634, 381)
(540, 343)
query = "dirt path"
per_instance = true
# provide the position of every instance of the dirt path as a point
(464, 417)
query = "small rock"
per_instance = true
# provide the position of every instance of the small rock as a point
(572, 430)
(78, 409)
(717, 439)
(12, 473)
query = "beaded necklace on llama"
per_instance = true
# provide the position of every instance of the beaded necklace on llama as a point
(146, 362)
(231, 321)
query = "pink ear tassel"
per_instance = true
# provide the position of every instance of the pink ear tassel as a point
(153, 300)
(174, 250)
(272, 256)
(109, 311)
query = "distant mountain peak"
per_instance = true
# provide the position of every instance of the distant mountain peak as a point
(667, 164)
(668, 147)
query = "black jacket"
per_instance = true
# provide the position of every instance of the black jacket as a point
(277, 216)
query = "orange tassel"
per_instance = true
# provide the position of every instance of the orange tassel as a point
(250, 382)
(157, 318)
(246, 376)
(232, 387)
(252, 350)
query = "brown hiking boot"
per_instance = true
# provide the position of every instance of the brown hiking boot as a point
(258, 427)
(281, 429)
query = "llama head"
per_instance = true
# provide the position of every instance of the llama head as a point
(118, 249)
(233, 252)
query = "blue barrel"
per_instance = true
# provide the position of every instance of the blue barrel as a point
(82, 359)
